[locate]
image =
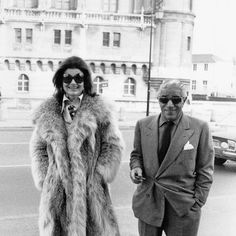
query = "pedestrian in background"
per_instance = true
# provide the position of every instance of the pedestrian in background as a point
(76, 150)
(172, 163)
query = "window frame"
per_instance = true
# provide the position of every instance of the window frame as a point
(116, 41)
(29, 35)
(23, 83)
(98, 84)
(68, 37)
(106, 39)
(129, 88)
(18, 35)
(56, 37)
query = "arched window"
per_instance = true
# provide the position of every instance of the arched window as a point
(144, 71)
(23, 83)
(17, 64)
(50, 65)
(98, 83)
(40, 65)
(7, 64)
(102, 67)
(134, 69)
(92, 67)
(129, 86)
(123, 68)
(113, 68)
(28, 65)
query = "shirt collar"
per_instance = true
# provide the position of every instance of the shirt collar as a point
(163, 120)
(65, 98)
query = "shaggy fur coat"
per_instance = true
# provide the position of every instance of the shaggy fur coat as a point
(72, 166)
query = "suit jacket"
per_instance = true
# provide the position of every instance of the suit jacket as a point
(185, 175)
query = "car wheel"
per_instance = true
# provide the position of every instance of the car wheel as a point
(219, 161)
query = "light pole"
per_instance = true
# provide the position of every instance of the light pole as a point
(149, 65)
(157, 7)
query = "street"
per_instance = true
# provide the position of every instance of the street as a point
(20, 200)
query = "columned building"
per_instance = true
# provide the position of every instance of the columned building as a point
(119, 39)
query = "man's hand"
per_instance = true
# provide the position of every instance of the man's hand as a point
(136, 175)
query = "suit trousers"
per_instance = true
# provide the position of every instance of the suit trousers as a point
(173, 225)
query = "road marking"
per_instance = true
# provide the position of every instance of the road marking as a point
(21, 143)
(18, 217)
(14, 166)
(36, 215)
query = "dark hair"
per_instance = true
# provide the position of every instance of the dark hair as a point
(72, 63)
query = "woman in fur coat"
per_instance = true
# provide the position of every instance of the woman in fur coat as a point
(76, 150)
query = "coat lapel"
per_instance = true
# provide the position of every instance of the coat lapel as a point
(182, 135)
(151, 136)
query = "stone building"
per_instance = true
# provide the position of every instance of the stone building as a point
(117, 38)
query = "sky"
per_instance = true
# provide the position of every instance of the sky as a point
(215, 27)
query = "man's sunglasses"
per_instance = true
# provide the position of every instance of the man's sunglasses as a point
(68, 78)
(175, 100)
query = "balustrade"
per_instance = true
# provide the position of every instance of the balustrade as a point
(75, 17)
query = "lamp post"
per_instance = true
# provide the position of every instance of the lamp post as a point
(149, 65)
(157, 6)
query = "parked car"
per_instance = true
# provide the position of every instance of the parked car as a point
(224, 138)
(225, 146)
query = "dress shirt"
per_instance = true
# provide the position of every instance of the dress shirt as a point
(66, 103)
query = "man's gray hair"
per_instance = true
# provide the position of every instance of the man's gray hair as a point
(175, 83)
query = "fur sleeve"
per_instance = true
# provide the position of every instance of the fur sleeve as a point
(111, 148)
(39, 159)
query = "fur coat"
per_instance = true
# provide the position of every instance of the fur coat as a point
(73, 166)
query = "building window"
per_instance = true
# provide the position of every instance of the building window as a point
(110, 5)
(206, 67)
(57, 36)
(17, 63)
(23, 83)
(188, 43)
(28, 65)
(62, 4)
(106, 39)
(98, 83)
(92, 67)
(144, 71)
(190, 5)
(134, 69)
(50, 65)
(18, 35)
(204, 82)
(116, 39)
(194, 84)
(25, 3)
(68, 37)
(102, 68)
(129, 87)
(194, 67)
(29, 35)
(113, 68)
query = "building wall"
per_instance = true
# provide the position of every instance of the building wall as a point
(172, 24)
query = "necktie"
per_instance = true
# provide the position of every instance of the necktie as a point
(72, 110)
(165, 141)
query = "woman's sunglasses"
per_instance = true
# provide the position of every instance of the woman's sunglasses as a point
(175, 100)
(67, 78)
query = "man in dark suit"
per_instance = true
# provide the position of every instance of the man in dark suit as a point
(173, 179)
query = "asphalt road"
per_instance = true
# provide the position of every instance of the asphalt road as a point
(19, 199)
